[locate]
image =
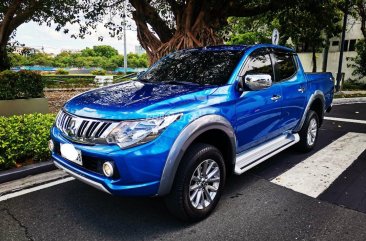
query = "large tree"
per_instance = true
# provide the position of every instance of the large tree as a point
(166, 25)
(190, 23)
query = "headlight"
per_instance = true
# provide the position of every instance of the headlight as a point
(133, 133)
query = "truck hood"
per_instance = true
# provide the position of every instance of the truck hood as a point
(133, 100)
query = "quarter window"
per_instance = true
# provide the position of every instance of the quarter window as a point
(286, 66)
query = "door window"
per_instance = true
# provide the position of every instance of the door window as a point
(259, 63)
(285, 66)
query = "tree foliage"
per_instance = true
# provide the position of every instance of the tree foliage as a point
(249, 30)
(102, 56)
(99, 51)
(13, 13)
(162, 25)
(307, 24)
(358, 10)
(166, 25)
(359, 62)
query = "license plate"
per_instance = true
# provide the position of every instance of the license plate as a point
(69, 152)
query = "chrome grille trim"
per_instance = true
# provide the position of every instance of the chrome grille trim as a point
(84, 130)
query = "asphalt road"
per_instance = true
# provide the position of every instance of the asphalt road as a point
(252, 208)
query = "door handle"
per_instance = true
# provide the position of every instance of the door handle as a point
(276, 97)
(301, 89)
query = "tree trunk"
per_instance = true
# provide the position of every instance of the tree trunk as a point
(12, 19)
(325, 55)
(5, 32)
(4, 59)
(361, 9)
(195, 27)
(4, 38)
(314, 60)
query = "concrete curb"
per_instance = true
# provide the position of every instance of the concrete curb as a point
(342, 101)
(68, 89)
(32, 182)
(33, 169)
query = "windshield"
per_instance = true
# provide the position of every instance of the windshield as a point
(203, 67)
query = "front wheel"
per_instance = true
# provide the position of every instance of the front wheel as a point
(309, 132)
(198, 183)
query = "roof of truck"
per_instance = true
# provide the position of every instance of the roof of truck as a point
(244, 47)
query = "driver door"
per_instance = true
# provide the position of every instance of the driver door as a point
(258, 112)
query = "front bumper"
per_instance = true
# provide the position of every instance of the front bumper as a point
(139, 168)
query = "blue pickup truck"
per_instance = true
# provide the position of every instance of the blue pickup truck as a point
(193, 118)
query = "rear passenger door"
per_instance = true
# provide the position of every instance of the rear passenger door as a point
(293, 85)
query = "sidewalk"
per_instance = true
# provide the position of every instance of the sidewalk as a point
(350, 94)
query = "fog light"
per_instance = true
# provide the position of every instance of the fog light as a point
(51, 145)
(108, 169)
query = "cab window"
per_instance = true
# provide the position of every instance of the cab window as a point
(285, 66)
(259, 63)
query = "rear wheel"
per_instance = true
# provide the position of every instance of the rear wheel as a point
(309, 132)
(198, 184)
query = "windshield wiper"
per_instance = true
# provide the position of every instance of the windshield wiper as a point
(176, 82)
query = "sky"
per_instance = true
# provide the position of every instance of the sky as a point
(33, 35)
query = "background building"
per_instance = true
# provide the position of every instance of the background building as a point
(353, 35)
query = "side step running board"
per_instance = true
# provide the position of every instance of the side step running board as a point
(256, 155)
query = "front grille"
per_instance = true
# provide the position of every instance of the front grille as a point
(84, 130)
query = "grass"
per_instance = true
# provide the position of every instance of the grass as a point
(342, 95)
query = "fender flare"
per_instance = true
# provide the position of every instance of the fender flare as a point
(185, 139)
(317, 95)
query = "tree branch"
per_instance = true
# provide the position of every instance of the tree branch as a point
(25, 15)
(151, 16)
(240, 10)
(8, 17)
(147, 39)
(188, 15)
(361, 9)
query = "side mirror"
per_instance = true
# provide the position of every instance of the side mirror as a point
(258, 81)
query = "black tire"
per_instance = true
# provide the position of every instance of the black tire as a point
(303, 145)
(178, 201)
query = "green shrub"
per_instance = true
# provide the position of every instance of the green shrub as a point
(68, 81)
(20, 85)
(24, 137)
(359, 62)
(8, 88)
(353, 84)
(62, 72)
(99, 72)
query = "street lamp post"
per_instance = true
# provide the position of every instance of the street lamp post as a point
(339, 74)
(124, 37)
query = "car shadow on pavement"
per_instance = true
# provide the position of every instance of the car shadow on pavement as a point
(127, 218)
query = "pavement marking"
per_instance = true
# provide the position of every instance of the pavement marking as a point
(33, 189)
(345, 120)
(316, 173)
(31, 181)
